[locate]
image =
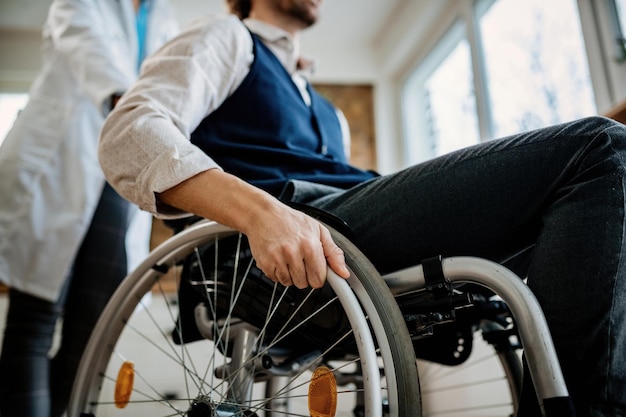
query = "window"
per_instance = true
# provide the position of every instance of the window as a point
(530, 70)
(535, 64)
(621, 14)
(441, 91)
(10, 106)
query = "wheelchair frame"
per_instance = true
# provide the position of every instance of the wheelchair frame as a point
(535, 336)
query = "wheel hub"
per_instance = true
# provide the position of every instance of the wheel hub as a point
(203, 407)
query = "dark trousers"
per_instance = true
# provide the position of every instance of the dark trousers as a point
(31, 383)
(552, 203)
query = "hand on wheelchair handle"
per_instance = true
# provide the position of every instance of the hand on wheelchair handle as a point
(297, 251)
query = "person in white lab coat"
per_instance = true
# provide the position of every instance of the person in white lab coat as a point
(63, 241)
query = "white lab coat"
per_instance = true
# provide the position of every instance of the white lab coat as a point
(50, 178)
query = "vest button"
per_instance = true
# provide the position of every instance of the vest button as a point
(324, 149)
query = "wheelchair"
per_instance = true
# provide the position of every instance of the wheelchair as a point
(197, 330)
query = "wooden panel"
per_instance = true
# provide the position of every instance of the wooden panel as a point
(618, 112)
(356, 102)
(160, 232)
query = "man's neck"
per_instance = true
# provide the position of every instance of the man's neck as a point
(275, 18)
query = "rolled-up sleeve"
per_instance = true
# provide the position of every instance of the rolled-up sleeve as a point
(145, 145)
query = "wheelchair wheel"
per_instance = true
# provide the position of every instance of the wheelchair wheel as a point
(196, 330)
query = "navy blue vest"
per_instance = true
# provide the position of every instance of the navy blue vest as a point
(265, 134)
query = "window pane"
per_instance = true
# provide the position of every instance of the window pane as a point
(10, 105)
(536, 65)
(451, 104)
(439, 105)
(621, 14)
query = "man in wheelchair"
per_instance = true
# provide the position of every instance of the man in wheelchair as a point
(222, 124)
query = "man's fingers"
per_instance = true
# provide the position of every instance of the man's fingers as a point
(284, 279)
(302, 261)
(299, 273)
(334, 254)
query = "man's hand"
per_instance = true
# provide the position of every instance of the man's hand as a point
(295, 249)
(289, 246)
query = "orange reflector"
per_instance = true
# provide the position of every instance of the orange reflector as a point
(124, 384)
(322, 393)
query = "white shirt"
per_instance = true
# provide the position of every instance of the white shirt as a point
(144, 145)
(50, 180)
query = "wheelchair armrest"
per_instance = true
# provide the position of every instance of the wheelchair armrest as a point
(325, 217)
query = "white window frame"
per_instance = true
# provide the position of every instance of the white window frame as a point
(414, 114)
(608, 71)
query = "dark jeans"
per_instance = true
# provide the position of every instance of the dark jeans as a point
(31, 383)
(555, 196)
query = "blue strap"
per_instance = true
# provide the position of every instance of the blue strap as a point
(142, 28)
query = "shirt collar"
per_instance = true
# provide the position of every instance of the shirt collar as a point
(285, 47)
